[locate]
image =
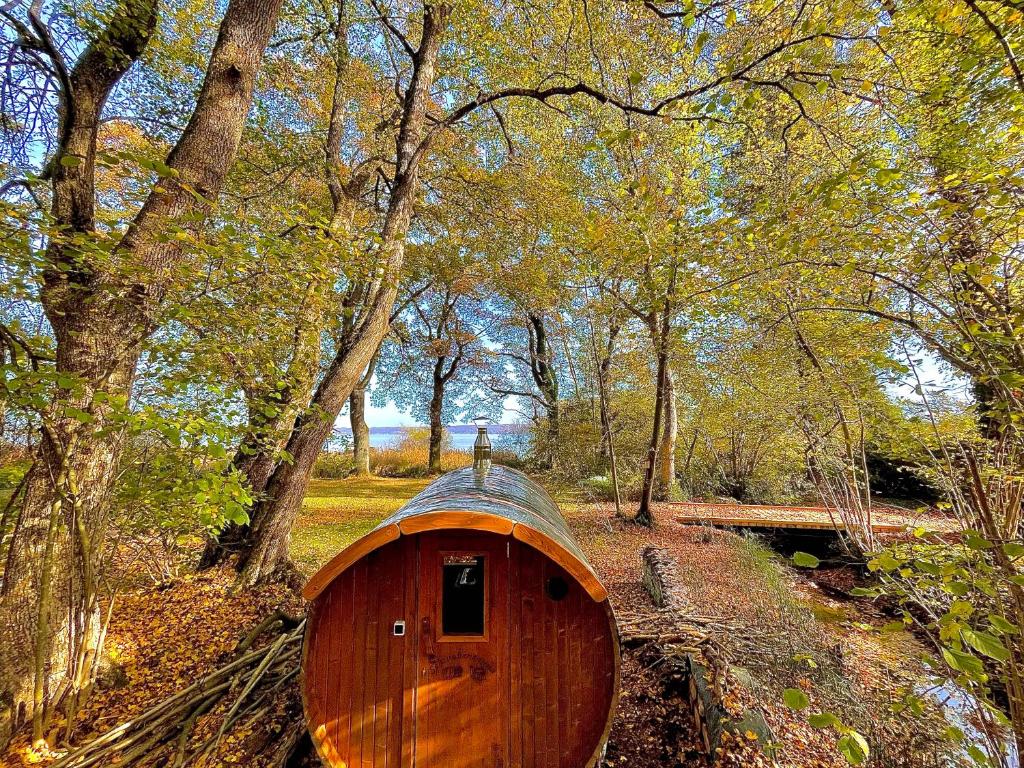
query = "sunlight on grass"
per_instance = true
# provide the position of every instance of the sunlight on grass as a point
(337, 512)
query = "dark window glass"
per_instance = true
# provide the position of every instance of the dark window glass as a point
(462, 598)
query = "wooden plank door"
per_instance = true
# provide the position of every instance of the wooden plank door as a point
(462, 693)
(360, 668)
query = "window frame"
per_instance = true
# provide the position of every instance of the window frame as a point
(442, 637)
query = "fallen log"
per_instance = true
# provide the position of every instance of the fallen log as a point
(694, 650)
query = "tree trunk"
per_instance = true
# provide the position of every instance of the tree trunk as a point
(101, 313)
(660, 336)
(256, 458)
(258, 455)
(360, 432)
(608, 445)
(604, 369)
(49, 625)
(544, 376)
(605, 447)
(357, 420)
(552, 414)
(436, 424)
(669, 435)
(645, 515)
(266, 549)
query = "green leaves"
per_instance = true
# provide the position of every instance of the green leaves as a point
(885, 562)
(851, 744)
(853, 747)
(1002, 626)
(795, 699)
(805, 560)
(824, 720)
(963, 662)
(986, 643)
(976, 542)
(1013, 549)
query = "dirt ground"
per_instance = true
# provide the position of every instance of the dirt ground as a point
(785, 632)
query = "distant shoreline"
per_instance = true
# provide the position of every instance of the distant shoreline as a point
(455, 429)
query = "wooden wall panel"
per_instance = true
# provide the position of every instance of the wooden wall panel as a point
(566, 667)
(462, 707)
(360, 681)
(355, 669)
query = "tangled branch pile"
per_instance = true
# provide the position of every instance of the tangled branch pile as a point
(248, 700)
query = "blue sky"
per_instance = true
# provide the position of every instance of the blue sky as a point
(390, 416)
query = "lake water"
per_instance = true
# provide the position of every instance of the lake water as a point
(459, 440)
(959, 707)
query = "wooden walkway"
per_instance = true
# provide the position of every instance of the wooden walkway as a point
(757, 516)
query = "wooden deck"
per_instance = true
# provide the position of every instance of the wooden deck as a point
(762, 517)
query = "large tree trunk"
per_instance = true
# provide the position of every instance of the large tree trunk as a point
(669, 435)
(271, 415)
(360, 432)
(49, 614)
(435, 410)
(256, 458)
(101, 313)
(266, 550)
(258, 455)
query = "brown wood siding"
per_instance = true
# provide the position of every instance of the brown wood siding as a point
(355, 670)
(562, 667)
(556, 663)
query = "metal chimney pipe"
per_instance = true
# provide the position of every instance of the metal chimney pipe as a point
(482, 447)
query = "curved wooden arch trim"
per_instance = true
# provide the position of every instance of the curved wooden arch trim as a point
(471, 521)
(564, 558)
(354, 552)
(457, 520)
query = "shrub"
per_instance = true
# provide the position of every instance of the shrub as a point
(333, 465)
(407, 458)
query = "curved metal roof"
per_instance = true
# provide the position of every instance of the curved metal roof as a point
(502, 500)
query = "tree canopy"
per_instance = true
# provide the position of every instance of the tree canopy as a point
(740, 249)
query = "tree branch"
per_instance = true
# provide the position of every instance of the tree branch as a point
(1003, 42)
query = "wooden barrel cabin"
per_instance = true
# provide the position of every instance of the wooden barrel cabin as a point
(467, 630)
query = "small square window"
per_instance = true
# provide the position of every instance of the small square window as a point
(463, 595)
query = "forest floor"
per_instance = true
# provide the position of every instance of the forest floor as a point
(785, 632)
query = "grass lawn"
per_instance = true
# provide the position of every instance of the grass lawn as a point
(337, 512)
